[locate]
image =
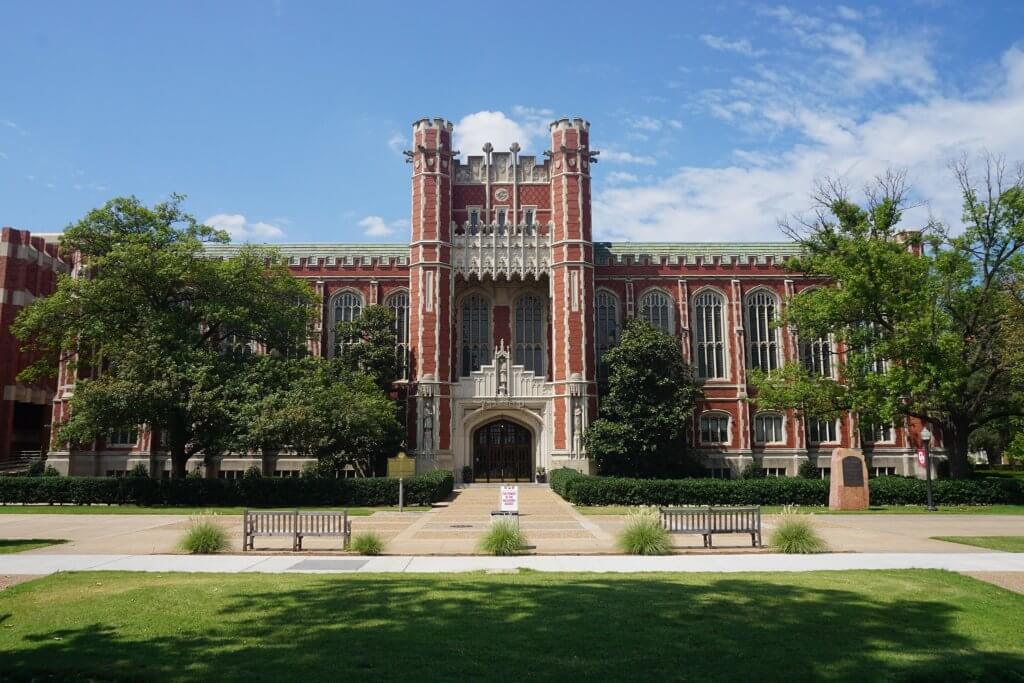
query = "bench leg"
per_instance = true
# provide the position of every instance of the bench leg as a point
(753, 540)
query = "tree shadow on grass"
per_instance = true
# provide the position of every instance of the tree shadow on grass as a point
(536, 627)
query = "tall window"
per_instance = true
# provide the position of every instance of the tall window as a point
(709, 344)
(528, 217)
(474, 221)
(871, 432)
(763, 351)
(656, 308)
(714, 428)
(476, 333)
(816, 355)
(821, 431)
(398, 303)
(606, 324)
(347, 307)
(769, 428)
(529, 334)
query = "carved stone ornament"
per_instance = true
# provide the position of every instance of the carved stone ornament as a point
(501, 194)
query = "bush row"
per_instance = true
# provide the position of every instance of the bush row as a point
(422, 489)
(586, 490)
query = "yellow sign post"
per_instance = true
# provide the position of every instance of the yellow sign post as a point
(401, 466)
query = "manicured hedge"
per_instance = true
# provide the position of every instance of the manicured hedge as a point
(583, 490)
(421, 489)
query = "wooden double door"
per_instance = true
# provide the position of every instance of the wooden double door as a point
(502, 451)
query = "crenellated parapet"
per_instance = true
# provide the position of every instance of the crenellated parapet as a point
(504, 167)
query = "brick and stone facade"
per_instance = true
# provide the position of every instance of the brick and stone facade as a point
(506, 305)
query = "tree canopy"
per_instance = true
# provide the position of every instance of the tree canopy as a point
(926, 320)
(370, 346)
(645, 414)
(157, 332)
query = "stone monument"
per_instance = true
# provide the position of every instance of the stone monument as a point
(848, 488)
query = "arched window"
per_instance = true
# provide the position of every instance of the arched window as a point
(709, 340)
(769, 428)
(529, 334)
(476, 333)
(821, 431)
(714, 428)
(347, 307)
(763, 345)
(398, 303)
(656, 308)
(606, 328)
(816, 355)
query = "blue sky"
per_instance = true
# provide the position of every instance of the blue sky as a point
(284, 120)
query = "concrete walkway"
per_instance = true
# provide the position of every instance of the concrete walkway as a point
(35, 564)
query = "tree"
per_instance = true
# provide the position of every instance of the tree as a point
(320, 409)
(925, 335)
(642, 422)
(159, 333)
(370, 346)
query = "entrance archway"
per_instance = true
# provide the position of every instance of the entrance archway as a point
(502, 451)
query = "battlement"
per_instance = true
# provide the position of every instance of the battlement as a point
(438, 122)
(475, 169)
(566, 124)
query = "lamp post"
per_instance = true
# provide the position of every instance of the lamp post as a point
(926, 437)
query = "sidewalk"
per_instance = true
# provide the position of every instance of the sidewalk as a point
(959, 562)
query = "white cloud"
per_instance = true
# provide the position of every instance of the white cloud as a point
(744, 199)
(741, 46)
(241, 230)
(375, 226)
(646, 123)
(397, 142)
(620, 178)
(474, 130)
(848, 13)
(3, 155)
(615, 156)
(675, 123)
(7, 123)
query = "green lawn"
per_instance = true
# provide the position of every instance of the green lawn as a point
(821, 510)
(17, 545)
(1011, 544)
(174, 510)
(837, 626)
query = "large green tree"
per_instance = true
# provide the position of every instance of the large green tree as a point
(926, 335)
(320, 409)
(645, 412)
(369, 346)
(158, 332)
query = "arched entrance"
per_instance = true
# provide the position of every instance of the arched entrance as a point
(502, 451)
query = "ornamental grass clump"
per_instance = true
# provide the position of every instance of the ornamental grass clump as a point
(204, 537)
(503, 538)
(368, 543)
(644, 535)
(795, 535)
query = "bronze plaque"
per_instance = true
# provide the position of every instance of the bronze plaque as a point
(853, 473)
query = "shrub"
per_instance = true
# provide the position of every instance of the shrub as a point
(36, 468)
(586, 490)
(808, 470)
(368, 543)
(51, 471)
(252, 473)
(752, 471)
(204, 537)
(422, 489)
(139, 471)
(467, 474)
(503, 538)
(644, 535)
(795, 535)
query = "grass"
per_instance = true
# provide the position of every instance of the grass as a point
(17, 545)
(1010, 544)
(204, 537)
(503, 538)
(644, 535)
(795, 535)
(368, 543)
(174, 510)
(836, 626)
(598, 510)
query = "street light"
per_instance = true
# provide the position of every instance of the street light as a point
(926, 437)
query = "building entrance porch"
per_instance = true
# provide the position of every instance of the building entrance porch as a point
(502, 451)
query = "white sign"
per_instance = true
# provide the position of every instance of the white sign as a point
(510, 499)
(921, 460)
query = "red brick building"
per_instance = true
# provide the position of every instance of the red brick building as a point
(506, 304)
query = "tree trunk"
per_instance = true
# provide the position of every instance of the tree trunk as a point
(179, 460)
(956, 451)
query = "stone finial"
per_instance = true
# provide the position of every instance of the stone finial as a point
(514, 148)
(488, 148)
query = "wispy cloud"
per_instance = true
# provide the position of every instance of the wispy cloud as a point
(398, 142)
(741, 46)
(375, 226)
(621, 157)
(242, 229)
(7, 123)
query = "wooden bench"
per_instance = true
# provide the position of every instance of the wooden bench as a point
(295, 524)
(708, 521)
